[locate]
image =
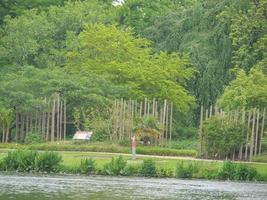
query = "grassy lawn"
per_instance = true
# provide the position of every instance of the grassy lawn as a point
(73, 159)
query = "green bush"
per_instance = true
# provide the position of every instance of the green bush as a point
(131, 170)
(148, 168)
(115, 167)
(48, 162)
(186, 171)
(232, 171)
(209, 174)
(164, 172)
(22, 161)
(222, 136)
(245, 173)
(33, 138)
(87, 166)
(227, 171)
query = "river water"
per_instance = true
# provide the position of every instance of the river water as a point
(123, 188)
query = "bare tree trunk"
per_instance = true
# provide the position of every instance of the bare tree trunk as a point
(27, 123)
(22, 133)
(53, 121)
(141, 107)
(65, 119)
(246, 150)
(17, 126)
(145, 107)
(60, 121)
(252, 135)
(7, 133)
(262, 129)
(257, 133)
(58, 117)
(200, 129)
(3, 133)
(30, 127)
(47, 125)
(243, 123)
(210, 110)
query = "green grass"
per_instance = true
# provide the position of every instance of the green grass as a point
(73, 159)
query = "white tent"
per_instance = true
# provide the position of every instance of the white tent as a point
(82, 135)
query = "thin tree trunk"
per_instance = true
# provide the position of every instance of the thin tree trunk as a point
(257, 133)
(58, 117)
(65, 119)
(252, 135)
(171, 123)
(145, 107)
(246, 150)
(164, 116)
(22, 133)
(17, 126)
(53, 121)
(3, 133)
(200, 129)
(262, 129)
(7, 133)
(27, 123)
(60, 121)
(243, 123)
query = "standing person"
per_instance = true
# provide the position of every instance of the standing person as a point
(133, 147)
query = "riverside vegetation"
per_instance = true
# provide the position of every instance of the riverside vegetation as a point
(52, 162)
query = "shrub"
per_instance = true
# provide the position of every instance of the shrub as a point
(148, 168)
(222, 136)
(209, 174)
(19, 161)
(186, 171)
(87, 166)
(115, 167)
(48, 162)
(131, 170)
(231, 171)
(33, 138)
(227, 171)
(164, 172)
(245, 173)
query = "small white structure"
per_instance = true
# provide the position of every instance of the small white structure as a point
(82, 135)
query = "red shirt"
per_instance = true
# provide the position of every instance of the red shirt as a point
(133, 142)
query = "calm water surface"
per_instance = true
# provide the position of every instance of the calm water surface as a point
(111, 188)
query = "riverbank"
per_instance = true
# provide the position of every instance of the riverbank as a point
(164, 166)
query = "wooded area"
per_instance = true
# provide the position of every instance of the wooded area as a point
(91, 53)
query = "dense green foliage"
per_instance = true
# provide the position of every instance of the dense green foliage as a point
(87, 166)
(33, 138)
(246, 91)
(222, 136)
(148, 168)
(231, 171)
(186, 171)
(29, 161)
(115, 167)
(91, 52)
